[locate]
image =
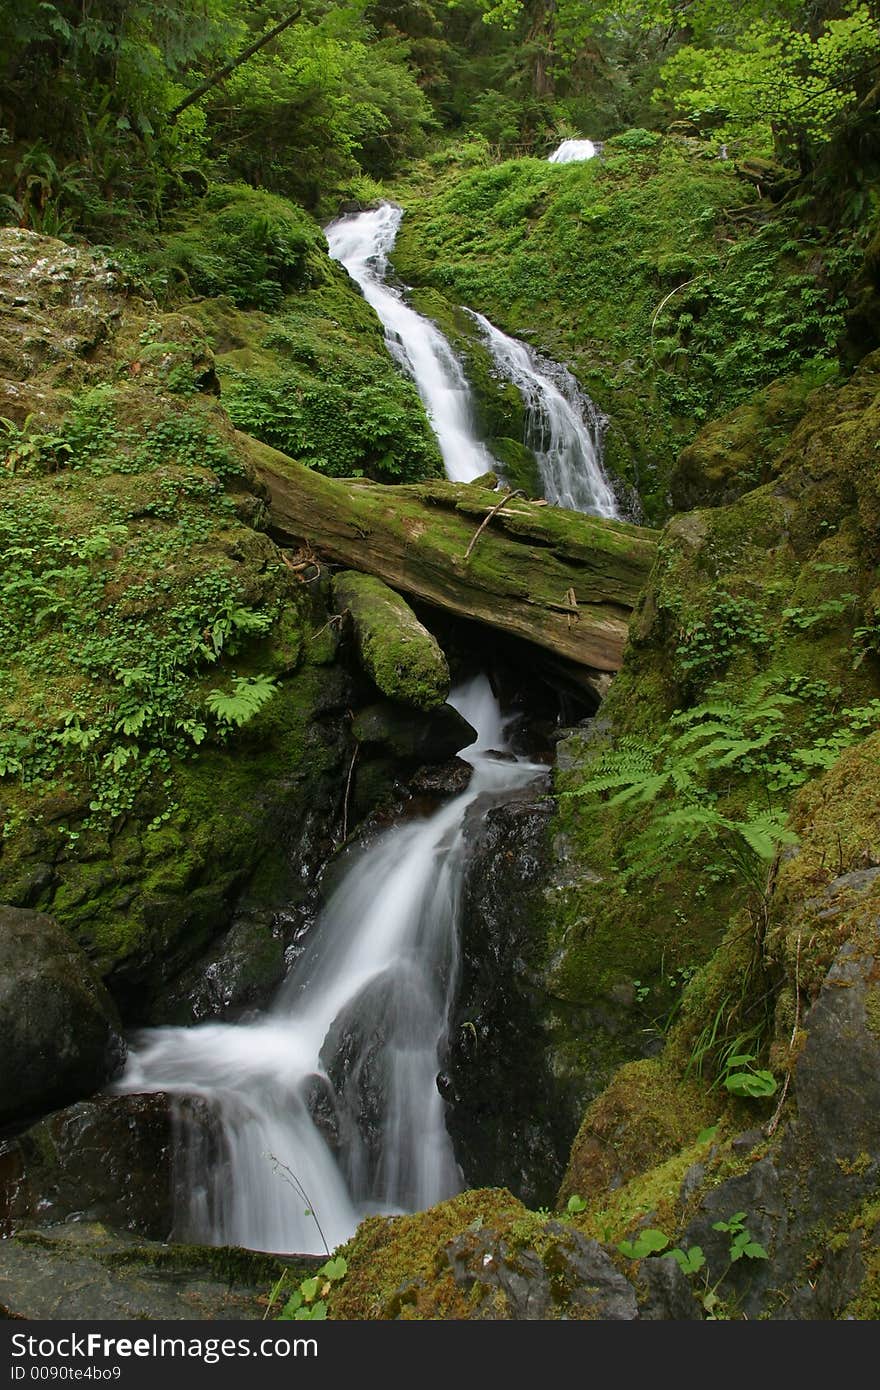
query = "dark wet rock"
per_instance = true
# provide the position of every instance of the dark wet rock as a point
(666, 1294)
(507, 1283)
(106, 1160)
(321, 1104)
(825, 1165)
(823, 1296)
(60, 1029)
(760, 1193)
(416, 736)
(511, 1121)
(442, 779)
(354, 1055)
(247, 965)
(81, 1271)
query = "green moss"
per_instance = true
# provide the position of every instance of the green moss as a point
(244, 242)
(315, 380)
(402, 657)
(393, 1262)
(644, 1116)
(865, 1307)
(740, 451)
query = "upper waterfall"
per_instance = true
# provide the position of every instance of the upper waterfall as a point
(572, 152)
(362, 243)
(559, 429)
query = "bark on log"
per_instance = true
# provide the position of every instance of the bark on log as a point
(563, 580)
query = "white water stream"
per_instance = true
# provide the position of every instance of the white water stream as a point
(362, 1018)
(327, 1108)
(362, 244)
(572, 152)
(564, 440)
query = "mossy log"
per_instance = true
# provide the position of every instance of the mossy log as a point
(563, 580)
(401, 655)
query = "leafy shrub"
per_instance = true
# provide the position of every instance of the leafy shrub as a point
(342, 428)
(636, 139)
(251, 245)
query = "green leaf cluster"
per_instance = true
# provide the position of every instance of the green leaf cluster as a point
(309, 1300)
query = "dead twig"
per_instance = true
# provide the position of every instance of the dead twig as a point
(486, 519)
(357, 749)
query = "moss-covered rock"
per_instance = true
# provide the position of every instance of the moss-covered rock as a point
(397, 651)
(769, 596)
(646, 1115)
(739, 452)
(142, 607)
(83, 1271)
(314, 378)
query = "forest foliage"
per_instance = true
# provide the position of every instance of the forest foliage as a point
(93, 138)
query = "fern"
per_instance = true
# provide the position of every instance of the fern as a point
(678, 776)
(248, 696)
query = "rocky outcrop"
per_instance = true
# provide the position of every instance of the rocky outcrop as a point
(512, 1119)
(411, 737)
(107, 1160)
(80, 1270)
(741, 450)
(61, 1031)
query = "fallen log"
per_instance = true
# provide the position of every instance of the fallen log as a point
(402, 657)
(563, 580)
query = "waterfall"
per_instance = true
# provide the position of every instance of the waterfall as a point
(362, 243)
(565, 443)
(291, 1128)
(327, 1108)
(572, 152)
(559, 429)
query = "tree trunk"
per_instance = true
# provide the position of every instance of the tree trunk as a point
(565, 581)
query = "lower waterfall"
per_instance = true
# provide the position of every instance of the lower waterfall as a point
(327, 1109)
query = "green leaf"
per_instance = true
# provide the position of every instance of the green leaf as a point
(689, 1261)
(647, 1242)
(754, 1251)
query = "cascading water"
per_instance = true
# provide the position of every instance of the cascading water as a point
(362, 243)
(564, 442)
(572, 152)
(291, 1128)
(563, 439)
(335, 1089)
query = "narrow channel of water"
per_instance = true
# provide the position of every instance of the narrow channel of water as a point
(327, 1108)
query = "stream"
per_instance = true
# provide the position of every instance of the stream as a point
(293, 1127)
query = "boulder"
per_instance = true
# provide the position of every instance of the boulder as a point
(60, 1029)
(107, 1160)
(511, 1118)
(81, 1271)
(433, 737)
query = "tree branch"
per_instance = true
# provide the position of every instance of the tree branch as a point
(230, 67)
